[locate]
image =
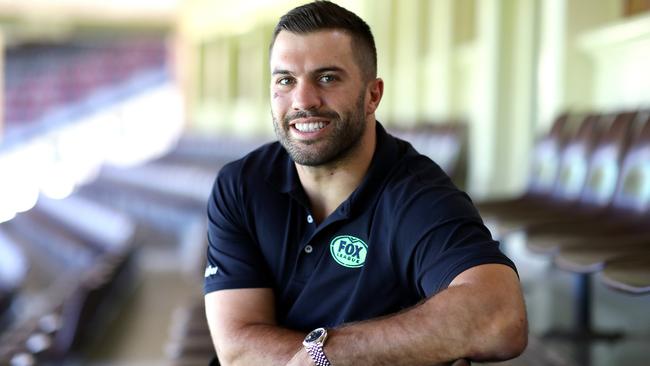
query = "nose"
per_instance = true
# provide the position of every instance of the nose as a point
(306, 96)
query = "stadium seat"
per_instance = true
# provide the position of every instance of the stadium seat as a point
(630, 274)
(543, 174)
(566, 203)
(621, 217)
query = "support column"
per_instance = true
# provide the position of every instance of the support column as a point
(522, 113)
(408, 80)
(483, 114)
(438, 67)
(2, 83)
(551, 69)
(381, 19)
(502, 112)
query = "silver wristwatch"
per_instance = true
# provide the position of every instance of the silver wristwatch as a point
(313, 343)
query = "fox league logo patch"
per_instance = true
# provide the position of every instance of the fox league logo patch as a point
(349, 251)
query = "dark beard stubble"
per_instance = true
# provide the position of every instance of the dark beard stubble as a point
(335, 147)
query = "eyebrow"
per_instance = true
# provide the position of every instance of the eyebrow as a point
(280, 72)
(317, 71)
(330, 69)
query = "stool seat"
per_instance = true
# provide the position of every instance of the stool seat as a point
(629, 274)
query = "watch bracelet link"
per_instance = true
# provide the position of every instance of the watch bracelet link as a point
(317, 355)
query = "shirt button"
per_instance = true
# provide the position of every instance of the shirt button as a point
(310, 219)
(309, 249)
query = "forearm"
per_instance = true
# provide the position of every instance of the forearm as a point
(464, 321)
(415, 337)
(260, 344)
(244, 331)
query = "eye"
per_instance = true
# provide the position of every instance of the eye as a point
(284, 81)
(327, 78)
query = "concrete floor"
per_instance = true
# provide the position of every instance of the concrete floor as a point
(550, 298)
(140, 332)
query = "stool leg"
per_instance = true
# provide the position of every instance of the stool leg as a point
(582, 315)
(582, 304)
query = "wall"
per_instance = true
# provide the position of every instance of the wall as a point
(506, 67)
(619, 53)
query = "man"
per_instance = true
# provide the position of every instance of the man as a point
(345, 230)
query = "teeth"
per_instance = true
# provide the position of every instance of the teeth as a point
(310, 127)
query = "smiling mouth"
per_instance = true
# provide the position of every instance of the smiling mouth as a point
(310, 126)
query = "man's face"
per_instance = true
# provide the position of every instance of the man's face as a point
(318, 97)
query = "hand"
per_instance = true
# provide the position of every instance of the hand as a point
(301, 358)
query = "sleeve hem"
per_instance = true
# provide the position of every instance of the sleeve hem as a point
(229, 285)
(467, 264)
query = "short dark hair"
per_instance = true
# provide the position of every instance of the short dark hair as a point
(323, 15)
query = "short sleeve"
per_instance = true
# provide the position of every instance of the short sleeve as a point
(234, 259)
(444, 236)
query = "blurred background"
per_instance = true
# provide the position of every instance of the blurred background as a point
(116, 117)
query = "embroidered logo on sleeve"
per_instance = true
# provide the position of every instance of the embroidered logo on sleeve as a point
(349, 251)
(211, 271)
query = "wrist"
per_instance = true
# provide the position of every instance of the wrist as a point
(314, 344)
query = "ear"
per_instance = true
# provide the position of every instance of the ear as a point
(374, 92)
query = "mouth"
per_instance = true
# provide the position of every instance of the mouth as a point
(309, 125)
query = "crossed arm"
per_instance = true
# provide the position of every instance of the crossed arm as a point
(480, 316)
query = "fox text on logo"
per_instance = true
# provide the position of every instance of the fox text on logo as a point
(349, 251)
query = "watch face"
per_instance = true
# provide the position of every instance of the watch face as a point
(314, 335)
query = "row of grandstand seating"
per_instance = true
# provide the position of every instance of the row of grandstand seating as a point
(189, 342)
(588, 202)
(82, 252)
(66, 266)
(40, 78)
(88, 276)
(444, 141)
(79, 257)
(586, 209)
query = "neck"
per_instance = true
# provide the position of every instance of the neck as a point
(327, 186)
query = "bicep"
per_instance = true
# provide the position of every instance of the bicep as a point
(227, 311)
(446, 243)
(235, 259)
(493, 296)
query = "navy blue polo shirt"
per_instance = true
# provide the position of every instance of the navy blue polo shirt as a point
(401, 236)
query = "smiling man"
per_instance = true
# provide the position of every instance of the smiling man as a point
(340, 244)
